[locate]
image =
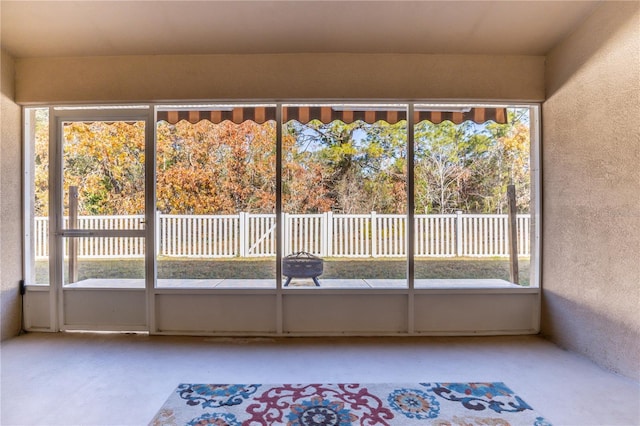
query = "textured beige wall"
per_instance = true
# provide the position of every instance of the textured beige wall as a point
(279, 76)
(591, 183)
(10, 203)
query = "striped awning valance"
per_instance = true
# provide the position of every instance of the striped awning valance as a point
(237, 115)
(327, 114)
(477, 115)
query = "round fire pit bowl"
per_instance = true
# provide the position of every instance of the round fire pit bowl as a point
(302, 265)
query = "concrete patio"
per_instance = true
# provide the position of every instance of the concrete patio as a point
(229, 283)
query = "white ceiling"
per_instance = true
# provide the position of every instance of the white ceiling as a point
(89, 28)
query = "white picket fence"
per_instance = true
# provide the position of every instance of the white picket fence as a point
(326, 235)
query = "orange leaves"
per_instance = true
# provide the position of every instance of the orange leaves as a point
(207, 168)
(106, 161)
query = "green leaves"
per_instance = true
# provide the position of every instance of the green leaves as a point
(468, 166)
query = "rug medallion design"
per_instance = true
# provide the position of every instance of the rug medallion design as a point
(440, 404)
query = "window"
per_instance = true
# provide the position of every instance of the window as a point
(216, 196)
(379, 196)
(462, 169)
(36, 190)
(344, 182)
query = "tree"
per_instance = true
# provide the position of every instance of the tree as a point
(512, 158)
(106, 162)
(226, 168)
(440, 168)
(41, 163)
(362, 165)
(303, 189)
(468, 166)
(207, 168)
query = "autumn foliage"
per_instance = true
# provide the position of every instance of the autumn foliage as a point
(226, 168)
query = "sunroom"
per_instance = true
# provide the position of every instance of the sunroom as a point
(156, 69)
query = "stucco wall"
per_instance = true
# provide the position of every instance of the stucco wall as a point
(591, 183)
(279, 76)
(10, 202)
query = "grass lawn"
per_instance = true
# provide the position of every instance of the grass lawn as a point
(266, 268)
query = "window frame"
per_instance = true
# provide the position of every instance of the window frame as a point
(415, 302)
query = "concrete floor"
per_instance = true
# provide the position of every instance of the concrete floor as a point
(109, 379)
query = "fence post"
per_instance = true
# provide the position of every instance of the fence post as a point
(374, 234)
(329, 234)
(323, 235)
(513, 234)
(286, 244)
(242, 231)
(459, 245)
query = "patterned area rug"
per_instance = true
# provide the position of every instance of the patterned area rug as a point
(441, 404)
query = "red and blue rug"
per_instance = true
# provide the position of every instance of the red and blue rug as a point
(464, 404)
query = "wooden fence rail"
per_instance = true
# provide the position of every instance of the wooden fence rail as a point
(326, 235)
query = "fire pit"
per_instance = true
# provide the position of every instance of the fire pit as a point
(302, 265)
